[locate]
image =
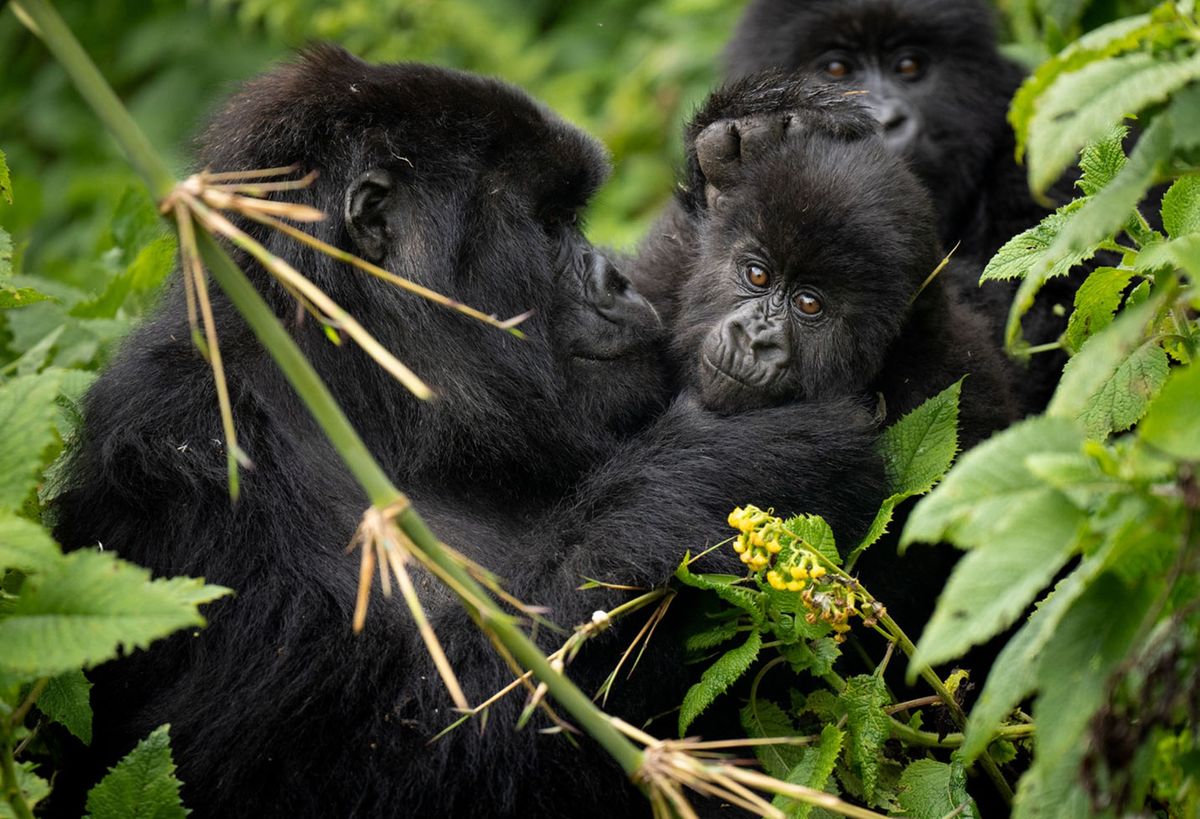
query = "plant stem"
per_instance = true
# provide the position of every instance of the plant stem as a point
(383, 493)
(8, 773)
(42, 19)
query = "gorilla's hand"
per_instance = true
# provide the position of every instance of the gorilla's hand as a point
(726, 145)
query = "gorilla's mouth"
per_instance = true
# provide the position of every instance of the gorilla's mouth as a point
(759, 384)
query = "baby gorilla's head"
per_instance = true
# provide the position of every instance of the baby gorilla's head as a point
(805, 273)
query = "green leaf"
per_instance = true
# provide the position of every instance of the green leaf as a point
(6, 255)
(751, 601)
(1102, 160)
(919, 448)
(32, 786)
(1091, 640)
(989, 484)
(812, 771)
(12, 298)
(815, 656)
(1183, 252)
(1014, 674)
(931, 790)
(143, 785)
(88, 606)
(1096, 302)
(869, 727)
(150, 267)
(815, 534)
(1081, 106)
(717, 678)
(1181, 206)
(1111, 207)
(712, 637)
(5, 180)
(917, 451)
(1026, 251)
(1114, 357)
(990, 587)
(27, 414)
(67, 701)
(762, 718)
(1172, 424)
(25, 545)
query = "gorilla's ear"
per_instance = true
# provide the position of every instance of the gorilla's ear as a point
(367, 201)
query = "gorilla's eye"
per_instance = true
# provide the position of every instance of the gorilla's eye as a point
(836, 68)
(757, 275)
(808, 304)
(909, 66)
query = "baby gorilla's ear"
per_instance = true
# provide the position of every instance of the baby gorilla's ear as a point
(366, 212)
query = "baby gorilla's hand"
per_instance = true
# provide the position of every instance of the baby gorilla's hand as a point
(726, 146)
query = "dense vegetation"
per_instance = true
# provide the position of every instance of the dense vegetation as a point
(1087, 516)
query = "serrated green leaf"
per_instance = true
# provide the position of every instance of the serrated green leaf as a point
(1080, 106)
(1085, 381)
(1173, 424)
(1183, 252)
(868, 725)
(1181, 206)
(812, 771)
(919, 448)
(67, 701)
(32, 786)
(1013, 676)
(751, 601)
(88, 606)
(712, 637)
(25, 545)
(153, 263)
(1102, 160)
(143, 785)
(717, 678)
(1123, 399)
(988, 484)
(990, 587)
(815, 656)
(1089, 643)
(917, 451)
(1104, 213)
(12, 298)
(1106, 41)
(5, 180)
(815, 534)
(1096, 302)
(6, 255)
(932, 790)
(1025, 252)
(761, 719)
(27, 414)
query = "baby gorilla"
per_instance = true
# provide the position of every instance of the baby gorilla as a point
(811, 271)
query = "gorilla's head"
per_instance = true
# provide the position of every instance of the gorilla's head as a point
(930, 69)
(806, 272)
(467, 186)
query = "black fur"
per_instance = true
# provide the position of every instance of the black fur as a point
(951, 127)
(541, 459)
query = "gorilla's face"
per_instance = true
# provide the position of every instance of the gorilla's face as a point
(799, 292)
(929, 68)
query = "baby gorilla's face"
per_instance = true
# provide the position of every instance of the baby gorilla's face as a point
(804, 276)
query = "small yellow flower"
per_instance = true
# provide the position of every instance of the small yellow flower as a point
(799, 573)
(775, 580)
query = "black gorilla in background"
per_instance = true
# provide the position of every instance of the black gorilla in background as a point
(940, 90)
(541, 459)
(797, 264)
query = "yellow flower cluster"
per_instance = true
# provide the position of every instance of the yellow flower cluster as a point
(759, 540)
(828, 598)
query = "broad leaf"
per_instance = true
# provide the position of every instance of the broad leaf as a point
(32, 786)
(1173, 423)
(717, 678)
(864, 697)
(1123, 399)
(88, 606)
(143, 785)
(24, 545)
(27, 413)
(1102, 160)
(816, 534)
(1096, 302)
(67, 701)
(762, 718)
(932, 790)
(1081, 106)
(813, 770)
(1181, 207)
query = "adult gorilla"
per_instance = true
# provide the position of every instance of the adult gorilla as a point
(528, 461)
(939, 89)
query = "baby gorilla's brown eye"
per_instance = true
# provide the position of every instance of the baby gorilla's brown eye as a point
(808, 304)
(908, 66)
(757, 275)
(836, 68)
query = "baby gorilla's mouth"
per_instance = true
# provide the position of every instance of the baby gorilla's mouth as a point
(722, 390)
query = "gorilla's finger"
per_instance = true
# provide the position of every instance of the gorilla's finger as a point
(760, 134)
(718, 151)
